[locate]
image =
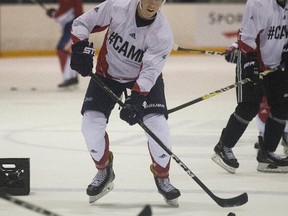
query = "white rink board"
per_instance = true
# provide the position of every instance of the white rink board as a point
(27, 27)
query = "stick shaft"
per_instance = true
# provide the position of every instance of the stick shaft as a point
(206, 52)
(207, 96)
(27, 205)
(219, 91)
(39, 2)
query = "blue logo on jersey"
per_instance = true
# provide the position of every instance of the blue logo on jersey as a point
(125, 48)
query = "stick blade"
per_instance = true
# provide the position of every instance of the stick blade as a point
(146, 211)
(232, 202)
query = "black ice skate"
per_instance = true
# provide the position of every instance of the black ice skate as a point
(166, 189)
(67, 83)
(102, 183)
(284, 143)
(225, 158)
(271, 162)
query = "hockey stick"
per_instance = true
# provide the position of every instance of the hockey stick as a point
(27, 205)
(230, 202)
(177, 48)
(219, 91)
(146, 211)
(39, 2)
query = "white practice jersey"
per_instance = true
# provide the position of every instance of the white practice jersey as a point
(128, 52)
(265, 30)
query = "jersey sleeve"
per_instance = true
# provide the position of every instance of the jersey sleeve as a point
(252, 25)
(97, 17)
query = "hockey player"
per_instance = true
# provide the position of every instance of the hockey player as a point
(67, 11)
(263, 29)
(136, 46)
(231, 55)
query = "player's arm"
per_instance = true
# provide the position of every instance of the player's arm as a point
(254, 21)
(83, 51)
(85, 24)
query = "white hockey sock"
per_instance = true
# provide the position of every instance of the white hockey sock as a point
(159, 126)
(93, 129)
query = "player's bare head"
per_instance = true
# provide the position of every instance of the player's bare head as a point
(147, 9)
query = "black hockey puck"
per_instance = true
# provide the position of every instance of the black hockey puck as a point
(13, 88)
(231, 214)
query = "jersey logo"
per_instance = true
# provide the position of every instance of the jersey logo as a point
(133, 35)
(96, 9)
(277, 32)
(163, 156)
(93, 151)
(125, 48)
(89, 51)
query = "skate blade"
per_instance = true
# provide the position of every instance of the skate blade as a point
(173, 202)
(220, 162)
(268, 168)
(106, 190)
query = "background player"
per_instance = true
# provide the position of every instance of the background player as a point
(231, 56)
(258, 36)
(67, 11)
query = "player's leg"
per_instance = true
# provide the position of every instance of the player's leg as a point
(284, 141)
(155, 120)
(97, 141)
(160, 159)
(96, 110)
(70, 77)
(234, 129)
(248, 97)
(276, 86)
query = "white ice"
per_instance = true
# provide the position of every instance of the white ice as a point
(44, 125)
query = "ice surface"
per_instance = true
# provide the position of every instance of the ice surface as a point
(44, 125)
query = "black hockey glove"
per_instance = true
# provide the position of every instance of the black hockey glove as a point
(231, 53)
(250, 66)
(82, 57)
(232, 57)
(51, 12)
(133, 109)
